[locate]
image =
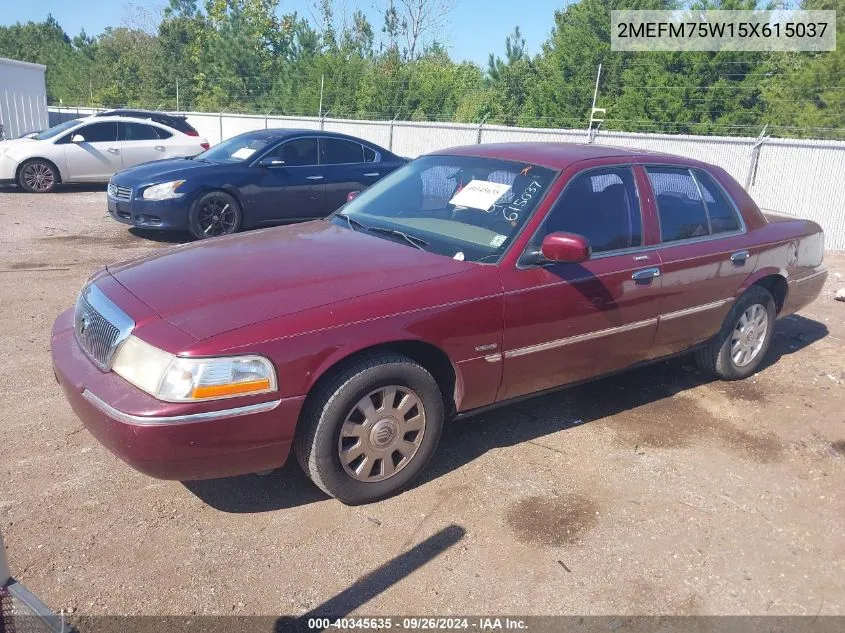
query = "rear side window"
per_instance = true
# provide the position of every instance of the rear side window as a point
(679, 204)
(723, 217)
(369, 154)
(603, 206)
(338, 151)
(137, 132)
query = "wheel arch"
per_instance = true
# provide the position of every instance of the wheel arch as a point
(772, 279)
(24, 162)
(429, 356)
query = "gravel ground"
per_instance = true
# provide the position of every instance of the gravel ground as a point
(657, 491)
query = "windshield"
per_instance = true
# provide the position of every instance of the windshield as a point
(57, 129)
(464, 207)
(236, 149)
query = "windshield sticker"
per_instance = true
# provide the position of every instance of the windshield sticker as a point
(243, 153)
(498, 240)
(479, 194)
(459, 256)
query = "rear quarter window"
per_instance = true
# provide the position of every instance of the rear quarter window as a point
(722, 212)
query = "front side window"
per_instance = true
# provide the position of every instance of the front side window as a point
(338, 151)
(96, 132)
(300, 152)
(464, 207)
(601, 205)
(679, 204)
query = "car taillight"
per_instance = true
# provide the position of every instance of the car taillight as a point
(192, 133)
(205, 145)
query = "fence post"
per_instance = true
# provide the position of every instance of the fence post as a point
(220, 119)
(390, 138)
(265, 118)
(480, 126)
(751, 176)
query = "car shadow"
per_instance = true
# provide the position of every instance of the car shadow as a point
(163, 237)
(60, 188)
(467, 439)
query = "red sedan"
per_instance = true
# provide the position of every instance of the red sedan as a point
(467, 278)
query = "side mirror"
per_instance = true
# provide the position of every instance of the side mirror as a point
(77, 138)
(561, 248)
(271, 162)
(352, 195)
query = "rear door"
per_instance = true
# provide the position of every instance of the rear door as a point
(346, 169)
(97, 157)
(290, 190)
(703, 253)
(142, 143)
(569, 322)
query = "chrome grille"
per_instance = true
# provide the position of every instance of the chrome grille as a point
(100, 326)
(120, 193)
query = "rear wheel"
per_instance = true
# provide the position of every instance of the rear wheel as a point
(371, 428)
(213, 214)
(38, 176)
(741, 344)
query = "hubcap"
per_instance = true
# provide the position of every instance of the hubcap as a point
(216, 217)
(749, 335)
(381, 433)
(38, 177)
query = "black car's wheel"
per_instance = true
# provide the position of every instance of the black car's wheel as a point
(742, 342)
(370, 428)
(213, 214)
(38, 176)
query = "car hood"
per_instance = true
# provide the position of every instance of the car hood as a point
(210, 287)
(164, 171)
(15, 142)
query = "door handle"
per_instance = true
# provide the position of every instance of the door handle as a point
(739, 257)
(314, 177)
(113, 150)
(159, 148)
(372, 174)
(645, 274)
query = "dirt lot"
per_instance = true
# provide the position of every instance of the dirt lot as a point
(652, 492)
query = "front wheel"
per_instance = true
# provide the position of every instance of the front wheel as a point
(740, 345)
(213, 214)
(38, 176)
(371, 428)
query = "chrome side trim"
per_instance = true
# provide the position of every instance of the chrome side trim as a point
(493, 358)
(541, 347)
(142, 420)
(694, 310)
(808, 277)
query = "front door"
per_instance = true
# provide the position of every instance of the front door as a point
(291, 190)
(569, 322)
(704, 255)
(97, 156)
(346, 170)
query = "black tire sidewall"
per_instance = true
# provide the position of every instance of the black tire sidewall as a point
(23, 185)
(194, 229)
(334, 477)
(725, 365)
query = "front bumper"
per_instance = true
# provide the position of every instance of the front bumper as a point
(8, 170)
(164, 215)
(172, 440)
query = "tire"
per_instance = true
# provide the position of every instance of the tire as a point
(334, 428)
(734, 355)
(38, 176)
(214, 214)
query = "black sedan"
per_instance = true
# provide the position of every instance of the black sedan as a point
(256, 179)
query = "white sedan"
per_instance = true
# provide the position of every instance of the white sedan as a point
(91, 149)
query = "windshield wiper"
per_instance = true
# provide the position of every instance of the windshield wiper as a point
(416, 242)
(352, 222)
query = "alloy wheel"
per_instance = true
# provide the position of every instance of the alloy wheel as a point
(749, 335)
(38, 177)
(381, 433)
(216, 217)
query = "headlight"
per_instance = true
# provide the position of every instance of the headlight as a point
(175, 379)
(164, 191)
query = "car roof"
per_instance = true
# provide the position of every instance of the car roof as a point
(554, 155)
(285, 133)
(115, 111)
(119, 117)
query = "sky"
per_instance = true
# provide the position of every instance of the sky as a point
(472, 30)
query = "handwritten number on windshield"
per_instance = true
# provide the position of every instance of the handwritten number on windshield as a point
(516, 206)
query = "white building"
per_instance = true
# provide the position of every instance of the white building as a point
(23, 98)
